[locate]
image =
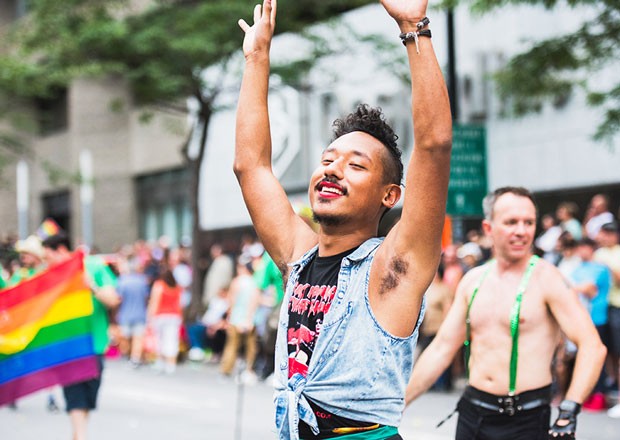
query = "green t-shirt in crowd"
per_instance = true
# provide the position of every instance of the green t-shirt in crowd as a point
(268, 274)
(101, 276)
(22, 274)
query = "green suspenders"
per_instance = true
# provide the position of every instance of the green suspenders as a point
(514, 321)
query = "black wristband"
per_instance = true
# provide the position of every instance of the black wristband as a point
(407, 37)
(569, 407)
(424, 22)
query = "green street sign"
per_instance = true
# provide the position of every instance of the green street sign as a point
(468, 171)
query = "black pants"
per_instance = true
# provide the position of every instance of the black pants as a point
(476, 423)
(83, 395)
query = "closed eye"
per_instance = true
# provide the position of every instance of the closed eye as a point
(357, 166)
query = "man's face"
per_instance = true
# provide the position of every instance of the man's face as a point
(350, 182)
(449, 255)
(598, 204)
(562, 214)
(57, 256)
(607, 238)
(585, 252)
(512, 227)
(29, 260)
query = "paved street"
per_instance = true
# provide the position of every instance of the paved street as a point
(196, 403)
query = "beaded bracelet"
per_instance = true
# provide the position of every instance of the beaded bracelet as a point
(413, 36)
(406, 37)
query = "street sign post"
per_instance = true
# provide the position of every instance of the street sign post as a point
(468, 171)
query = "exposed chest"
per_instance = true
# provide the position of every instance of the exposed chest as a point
(496, 303)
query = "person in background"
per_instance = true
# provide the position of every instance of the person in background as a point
(269, 281)
(566, 214)
(475, 236)
(470, 256)
(241, 331)
(547, 241)
(133, 288)
(219, 275)
(564, 359)
(152, 266)
(164, 314)
(609, 254)
(182, 274)
(439, 298)
(31, 256)
(210, 332)
(592, 280)
(597, 215)
(81, 398)
(452, 267)
(509, 315)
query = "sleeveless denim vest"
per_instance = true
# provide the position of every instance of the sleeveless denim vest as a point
(357, 370)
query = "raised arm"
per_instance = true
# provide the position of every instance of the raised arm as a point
(426, 184)
(283, 233)
(410, 253)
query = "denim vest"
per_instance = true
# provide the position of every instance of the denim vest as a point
(357, 370)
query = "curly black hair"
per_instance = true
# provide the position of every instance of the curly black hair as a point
(371, 120)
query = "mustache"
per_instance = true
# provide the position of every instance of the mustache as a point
(333, 180)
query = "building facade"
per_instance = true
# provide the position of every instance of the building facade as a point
(137, 185)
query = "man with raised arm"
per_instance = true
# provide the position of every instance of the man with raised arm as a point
(509, 313)
(353, 303)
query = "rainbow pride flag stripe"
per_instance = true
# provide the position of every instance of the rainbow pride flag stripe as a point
(45, 331)
(48, 228)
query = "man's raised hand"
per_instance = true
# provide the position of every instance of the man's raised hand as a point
(406, 12)
(258, 36)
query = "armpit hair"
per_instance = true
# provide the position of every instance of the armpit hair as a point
(284, 270)
(396, 269)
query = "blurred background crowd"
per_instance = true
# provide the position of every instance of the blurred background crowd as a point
(237, 317)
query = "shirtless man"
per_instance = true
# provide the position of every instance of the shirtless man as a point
(502, 401)
(350, 315)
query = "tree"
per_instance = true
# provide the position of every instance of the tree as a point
(161, 51)
(551, 69)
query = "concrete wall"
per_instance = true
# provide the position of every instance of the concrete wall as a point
(549, 151)
(552, 150)
(102, 120)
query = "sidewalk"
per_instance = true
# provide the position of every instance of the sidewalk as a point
(197, 403)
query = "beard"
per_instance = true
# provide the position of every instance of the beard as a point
(329, 219)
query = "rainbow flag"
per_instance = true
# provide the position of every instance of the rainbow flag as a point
(45, 331)
(48, 228)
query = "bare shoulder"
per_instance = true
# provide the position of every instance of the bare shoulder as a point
(550, 280)
(471, 279)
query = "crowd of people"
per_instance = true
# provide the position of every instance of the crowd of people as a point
(243, 290)
(142, 299)
(587, 253)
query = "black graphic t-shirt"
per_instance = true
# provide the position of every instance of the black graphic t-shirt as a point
(312, 296)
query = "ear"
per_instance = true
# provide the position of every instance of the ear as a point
(391, 196)
(486, 227)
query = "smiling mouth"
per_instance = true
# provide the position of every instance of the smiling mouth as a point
(519, 244)
(328, 190)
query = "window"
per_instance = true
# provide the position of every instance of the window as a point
(51, 112)
(164, 206)
(57, 206)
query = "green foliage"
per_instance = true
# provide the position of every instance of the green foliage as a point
(551, 69)
(161, 50)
